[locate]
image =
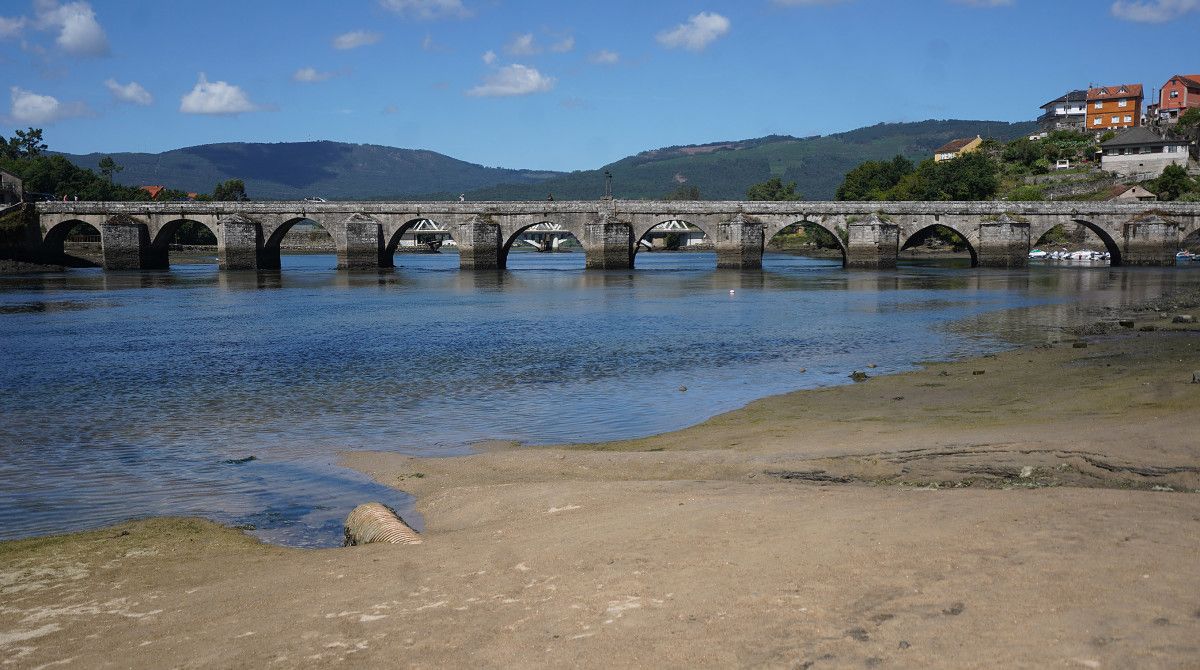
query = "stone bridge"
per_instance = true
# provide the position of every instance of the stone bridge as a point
(136, 235)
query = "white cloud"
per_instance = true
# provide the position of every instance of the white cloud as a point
(35, 109)
(604, 57)
(522, 45)
(355, 39)
(489, 57)
(131, 92)
(11, 27)
(216, 97)
(310, 75)
(1153, 11)
(78, 31)
(697, 33)
(564, 45)
(513, 80)
(427, 9)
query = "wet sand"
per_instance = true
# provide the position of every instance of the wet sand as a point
(1037, 508)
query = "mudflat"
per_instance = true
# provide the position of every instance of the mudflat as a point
(1037, 508)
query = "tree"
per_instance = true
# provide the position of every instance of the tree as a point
(1189, 120)
(1189, 126)
(772, 190)
(972, 176)
(230, 190)
(1173, 183)
(684, 192)
(873, 179)
(109, 167)
(24, 144)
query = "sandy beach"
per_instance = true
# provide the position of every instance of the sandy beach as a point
(1036, 508)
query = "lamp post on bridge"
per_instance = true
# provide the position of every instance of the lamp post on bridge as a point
(608, 185)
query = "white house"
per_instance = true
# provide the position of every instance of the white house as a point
(1142, 153)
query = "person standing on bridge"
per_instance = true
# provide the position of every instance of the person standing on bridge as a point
(462, 197)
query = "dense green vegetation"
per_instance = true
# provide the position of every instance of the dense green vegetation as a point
(1176, 184)
(773, 190)
(723, 171)
(47, 175)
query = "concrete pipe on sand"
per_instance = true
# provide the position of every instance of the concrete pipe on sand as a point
(376, 523)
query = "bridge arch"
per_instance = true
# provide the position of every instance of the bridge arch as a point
(685, 224)
(160, 244)
(167, 231)
(558, 229)
(1191, 240)
(1110, 244)
(55, 238)
(809, 225)
(270, 257)
(392, 242)
(921, 233)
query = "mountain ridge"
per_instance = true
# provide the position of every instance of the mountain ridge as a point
(720, 170)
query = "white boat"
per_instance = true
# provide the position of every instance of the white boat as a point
(1037, 254)
(1185, 256)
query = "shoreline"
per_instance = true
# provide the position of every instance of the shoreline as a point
(937, 517)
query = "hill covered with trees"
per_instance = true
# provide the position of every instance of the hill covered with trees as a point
(719, 170)
(724, 170)
(295, 170)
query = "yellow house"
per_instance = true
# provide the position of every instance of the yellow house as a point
(955, 148)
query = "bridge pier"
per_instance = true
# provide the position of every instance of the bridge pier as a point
(125, 245)
(873, 244)
(360, 244)
(479, 245)
(239, 243)
(1004, 243)
(1150, 241)
(739, 245)
(609, 246)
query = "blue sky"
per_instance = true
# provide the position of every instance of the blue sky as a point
(554, 84)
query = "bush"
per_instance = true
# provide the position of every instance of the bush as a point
(1027, 193)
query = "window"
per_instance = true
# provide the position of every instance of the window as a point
(1122, 103)
(1099, 104)
(1174, 94)
(1128, 119)
(1096, 121)
(1116, 119)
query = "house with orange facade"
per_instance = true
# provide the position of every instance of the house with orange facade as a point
(1179, 94)
(1114, 107)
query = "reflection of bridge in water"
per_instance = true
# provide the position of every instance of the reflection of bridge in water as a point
(367, 234)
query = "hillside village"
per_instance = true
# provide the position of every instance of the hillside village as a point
(1102, 142)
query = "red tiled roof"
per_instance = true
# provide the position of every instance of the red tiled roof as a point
(1110, 92)
(954, 146)
(152, 190)
(1192, 79)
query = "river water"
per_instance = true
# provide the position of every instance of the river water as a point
(126, 395)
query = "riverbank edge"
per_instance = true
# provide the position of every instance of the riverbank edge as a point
(819, 533)
(1151, 318)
